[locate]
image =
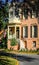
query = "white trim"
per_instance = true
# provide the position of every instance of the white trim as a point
(32, 31)
(23, 32)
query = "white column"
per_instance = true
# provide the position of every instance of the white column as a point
(23, 32)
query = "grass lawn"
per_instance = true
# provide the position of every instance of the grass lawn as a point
(4, 60)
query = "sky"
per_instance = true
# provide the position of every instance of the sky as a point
(13, 0)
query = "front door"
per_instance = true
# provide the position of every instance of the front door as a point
(17, 32)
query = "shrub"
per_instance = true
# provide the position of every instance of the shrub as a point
(4, 42)
(13, 42)
(38, 53)
(37, 49)
(23, 50)
(33, 51)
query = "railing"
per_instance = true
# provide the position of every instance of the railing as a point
(11, 36)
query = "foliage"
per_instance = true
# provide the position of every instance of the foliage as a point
(37, 53)
(3, 21)
(32, 51)
(28, 51)
(3, 15)
(13, 42)
(23, 50)
(4, 42)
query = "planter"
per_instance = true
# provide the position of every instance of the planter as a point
(14, 47)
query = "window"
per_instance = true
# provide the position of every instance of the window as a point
(25, 13)
(33, 14)
(34, 31)
(25, 31)
(17, 32)
(17, 12)
(11, 30)
(11, 13)
(30, 12)
(34, 43)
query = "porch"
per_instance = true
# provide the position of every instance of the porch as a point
(14, 31)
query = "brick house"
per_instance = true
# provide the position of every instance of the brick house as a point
(23, 25)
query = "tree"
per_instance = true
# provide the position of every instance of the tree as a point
(3, 21)
(3, 15)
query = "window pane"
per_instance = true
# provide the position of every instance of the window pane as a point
(34, 31)
(25, 13)
(17, 32)
(11, 30)
(11, 13)
(34, 43)
(25, 31)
